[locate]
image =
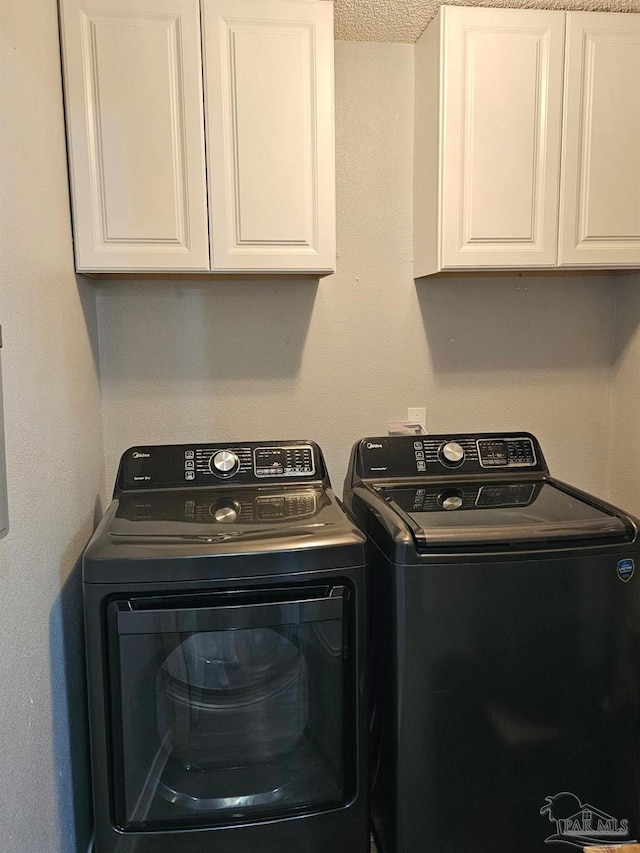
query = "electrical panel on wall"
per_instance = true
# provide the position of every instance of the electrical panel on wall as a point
(4, 513)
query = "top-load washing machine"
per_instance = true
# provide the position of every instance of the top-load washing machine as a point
(224, 608)
(506, 622)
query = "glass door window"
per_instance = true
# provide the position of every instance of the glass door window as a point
(229, 707)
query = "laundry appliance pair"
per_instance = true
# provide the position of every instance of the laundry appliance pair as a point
(235, 615)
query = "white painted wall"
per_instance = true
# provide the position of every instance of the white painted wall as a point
(336, 360)
(54, 451)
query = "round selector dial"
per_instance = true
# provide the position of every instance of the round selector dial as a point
(224, 463)
(451, 454)
(451, 499)
(225, 511)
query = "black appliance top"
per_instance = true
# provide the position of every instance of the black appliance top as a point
(219, 464)
(270, 500)
(502, 513)
(221, 514)
(472, 492)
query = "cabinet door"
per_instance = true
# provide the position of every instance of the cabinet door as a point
(133, 91)
(501, 114)
(600, 210)
(270, 136)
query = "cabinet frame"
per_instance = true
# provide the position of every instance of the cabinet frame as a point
(584, 130)
(175, 167)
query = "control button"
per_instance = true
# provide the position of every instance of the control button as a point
(189, 475)
(421, 466)
(224, 463)
(451, 454)
(189, 464)
(189, 454)
(451, 499)
(520, 453)
(417, 445)
(419, 454)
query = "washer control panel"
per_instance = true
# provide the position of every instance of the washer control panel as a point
(448, 455)
(173, 465)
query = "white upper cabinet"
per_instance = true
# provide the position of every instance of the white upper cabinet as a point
(136, 86)
(492, 87)
(133, 92)
(600, 220)
(270, 135)
(492, 128)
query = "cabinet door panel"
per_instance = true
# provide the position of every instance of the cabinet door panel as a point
(133, 84)
(501, 132)
(600, 210)
(280, 165)
(269, 96)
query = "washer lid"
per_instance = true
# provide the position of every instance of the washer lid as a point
(472, 514)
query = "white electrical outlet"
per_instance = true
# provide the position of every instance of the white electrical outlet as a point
(418, 415)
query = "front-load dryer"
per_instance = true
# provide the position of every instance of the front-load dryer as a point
(506, 637)
(224, 609)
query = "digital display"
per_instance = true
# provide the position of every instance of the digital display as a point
(492, 453)
(503, 452)
(291, 461)
(514, 494)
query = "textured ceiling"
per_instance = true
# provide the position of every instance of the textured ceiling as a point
(404, 20)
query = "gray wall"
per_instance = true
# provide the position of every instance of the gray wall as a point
(54, 451)
(624, 482)
(336, 360)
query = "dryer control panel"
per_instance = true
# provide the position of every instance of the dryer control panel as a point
(241, 463)
(448, 455)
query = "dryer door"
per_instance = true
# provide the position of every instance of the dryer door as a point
(228, 707)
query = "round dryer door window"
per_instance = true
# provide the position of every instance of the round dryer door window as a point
(228, 710)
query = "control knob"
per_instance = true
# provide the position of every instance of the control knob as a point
(224, 463)
(450, 499)
(451, 454)
(226, 511)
